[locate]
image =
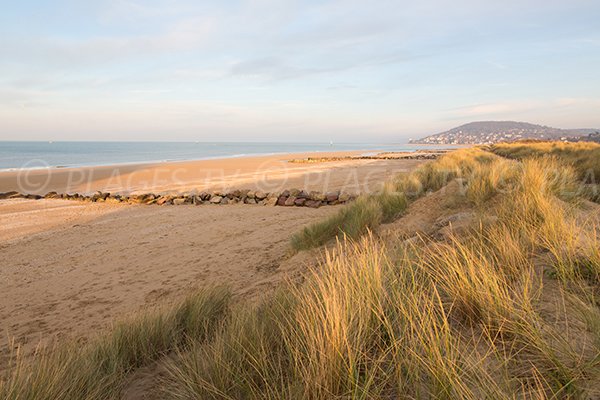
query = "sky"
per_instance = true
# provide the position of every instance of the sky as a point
(293, 71)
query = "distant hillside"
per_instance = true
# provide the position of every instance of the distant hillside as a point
(501, 131)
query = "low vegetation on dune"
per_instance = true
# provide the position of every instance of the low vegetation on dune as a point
(99, 369)
(583, 157)
(507, 308)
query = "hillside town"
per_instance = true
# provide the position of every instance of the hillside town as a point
(504, 131)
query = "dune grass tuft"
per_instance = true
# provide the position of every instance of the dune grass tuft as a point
(97, 370)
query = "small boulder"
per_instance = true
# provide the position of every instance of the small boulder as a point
(179, 201)
(331, 196)
(216, 199)
(260, 195)
(300, 202)
(281, 200)
(290, 201)
(148, 198)
(197, 200)
(317, 196)
(162, 200)
(50, 195)
(303, 195)
(112, 199)
(313, 203)
(7, 195)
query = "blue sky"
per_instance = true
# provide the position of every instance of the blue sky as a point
(268, 70)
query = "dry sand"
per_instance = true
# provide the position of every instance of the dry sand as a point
(74, 277)
(69, 269)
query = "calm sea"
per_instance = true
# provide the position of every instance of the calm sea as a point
(16, 155)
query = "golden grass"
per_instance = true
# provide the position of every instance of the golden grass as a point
(353, 220)
(583, 158)
(369, 211)
(97, 370)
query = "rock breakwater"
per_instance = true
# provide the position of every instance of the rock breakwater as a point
(286, 198)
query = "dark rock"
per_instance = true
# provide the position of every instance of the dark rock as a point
(281, 200)
(303, 195)
(196, 199)
(300, 202)
(313, 203)
(8, 195)
(148, 198)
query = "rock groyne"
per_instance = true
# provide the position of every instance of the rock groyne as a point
(286, 198)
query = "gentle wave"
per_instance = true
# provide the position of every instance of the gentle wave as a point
(16, 156)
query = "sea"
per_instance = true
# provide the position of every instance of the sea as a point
(15, 155)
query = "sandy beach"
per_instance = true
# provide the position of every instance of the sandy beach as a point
(69, 269)
(267, 173)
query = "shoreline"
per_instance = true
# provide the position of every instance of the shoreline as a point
(265, 172)
(366, 151)
(159, 162)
